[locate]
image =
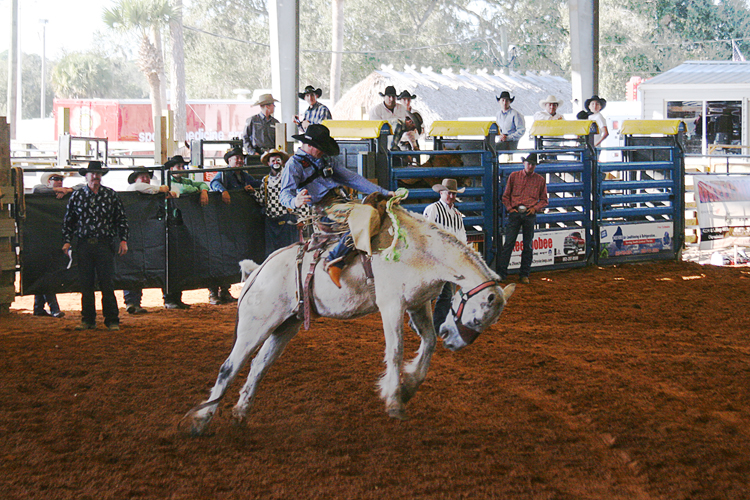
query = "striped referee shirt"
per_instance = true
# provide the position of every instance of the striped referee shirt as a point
(449, 218)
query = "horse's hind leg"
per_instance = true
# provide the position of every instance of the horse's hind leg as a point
(390, 383)
(248, 340)
(416, 371)
(268, 353)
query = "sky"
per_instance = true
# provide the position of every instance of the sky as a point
(70, 27)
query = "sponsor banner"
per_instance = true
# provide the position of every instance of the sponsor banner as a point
(552, 247)
(636, 239)
(723, 205)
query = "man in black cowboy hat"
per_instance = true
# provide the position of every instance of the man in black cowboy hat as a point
(310, 179)
(525, 195)
(316, 113)
(95, 215)
(412, 123)
(260, 130)
(183, 184)
(224, 182)
(510, 124)
(389, 109)
(594, 105)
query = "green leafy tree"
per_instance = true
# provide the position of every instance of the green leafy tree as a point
(31, 69)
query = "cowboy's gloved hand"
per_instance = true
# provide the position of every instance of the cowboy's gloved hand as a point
(226, 198)
(204, 198)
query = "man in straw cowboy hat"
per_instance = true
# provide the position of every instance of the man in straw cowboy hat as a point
(525, 195)
(96, 216)
(510, 124)
(310, 179)
(280, 222)
(260, 133)
(549, 109)
(316, 113)
(445, 214)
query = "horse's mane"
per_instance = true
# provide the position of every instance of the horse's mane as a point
(417, 221)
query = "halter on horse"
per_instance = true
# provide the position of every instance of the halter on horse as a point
(267, 320)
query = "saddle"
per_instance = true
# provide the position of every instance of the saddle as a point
(319, 242)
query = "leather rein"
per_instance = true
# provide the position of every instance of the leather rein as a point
(467, 334)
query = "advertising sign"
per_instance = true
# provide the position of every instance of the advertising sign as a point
(553, 247)
(723, 204)
(636, 239)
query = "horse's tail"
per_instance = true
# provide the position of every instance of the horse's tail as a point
(247, 266)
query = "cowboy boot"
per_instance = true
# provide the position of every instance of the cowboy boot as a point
(335, 273)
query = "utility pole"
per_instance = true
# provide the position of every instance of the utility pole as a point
(44, 67)
(12, 68)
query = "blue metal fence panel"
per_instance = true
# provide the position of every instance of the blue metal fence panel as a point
(639, 205)
(477, 201)
(563, 236)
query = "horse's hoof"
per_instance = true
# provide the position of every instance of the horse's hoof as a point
(199, 426)
(398, 414)
(238, 417)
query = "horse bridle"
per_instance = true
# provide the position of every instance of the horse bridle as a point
(467, 334)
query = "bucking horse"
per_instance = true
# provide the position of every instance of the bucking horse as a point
(411, 260)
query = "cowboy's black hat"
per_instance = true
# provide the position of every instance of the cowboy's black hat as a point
(389, 90)
(94, 166)
(602, 102)
(416, 118)
(583, 115)
(176, 159)
(531, 159)
(318, 135)
(505, 95)
(137, 172)
(235, 151)
(406, 95)
(310, 90)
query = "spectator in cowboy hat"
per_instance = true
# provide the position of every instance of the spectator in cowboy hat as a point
(280, 222)
(260, 133)
(595, 105)
(445, 214)
(549, 109)
(413, 122)
(309, 178)
(525, 195)
(316, 113)
(389, 110)
(510, 123)
(225, 181)
(96, 216)
(182, 184)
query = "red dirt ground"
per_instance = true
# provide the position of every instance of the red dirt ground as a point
(628, 382)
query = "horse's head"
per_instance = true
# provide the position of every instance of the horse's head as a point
(472, 312)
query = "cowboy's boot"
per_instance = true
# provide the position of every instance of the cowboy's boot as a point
(335, 273)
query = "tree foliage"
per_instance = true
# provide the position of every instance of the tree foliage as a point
(91, 75)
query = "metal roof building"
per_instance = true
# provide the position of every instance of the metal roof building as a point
(700, 92)
(446, 95)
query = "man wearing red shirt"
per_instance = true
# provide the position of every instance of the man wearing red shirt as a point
(525, 195)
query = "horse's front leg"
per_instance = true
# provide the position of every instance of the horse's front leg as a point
(416, 371)
(390, 382)
(268, 353)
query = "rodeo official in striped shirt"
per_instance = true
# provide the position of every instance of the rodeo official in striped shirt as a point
(444, 213)
(525, 195)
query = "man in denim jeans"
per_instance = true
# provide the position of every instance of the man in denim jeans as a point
(525, 195)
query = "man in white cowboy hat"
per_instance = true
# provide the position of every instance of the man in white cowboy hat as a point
(52, 183)
(280, 222)
(549, 109)
(594, 105)
(510, 124)
(525, 196)
(316, 113)
(96, 216)
(260, 133)
(309, 178)
(445, 214)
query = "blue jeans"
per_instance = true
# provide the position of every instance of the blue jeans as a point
(516, 223)
(280, 232)
(96, 262)
(133, 297)
(46, 298)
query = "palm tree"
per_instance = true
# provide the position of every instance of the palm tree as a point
(145, 17)
(179, 99)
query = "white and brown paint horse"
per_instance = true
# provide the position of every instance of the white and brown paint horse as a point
(266, 319)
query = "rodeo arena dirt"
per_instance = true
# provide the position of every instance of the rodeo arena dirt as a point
(626, 382)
